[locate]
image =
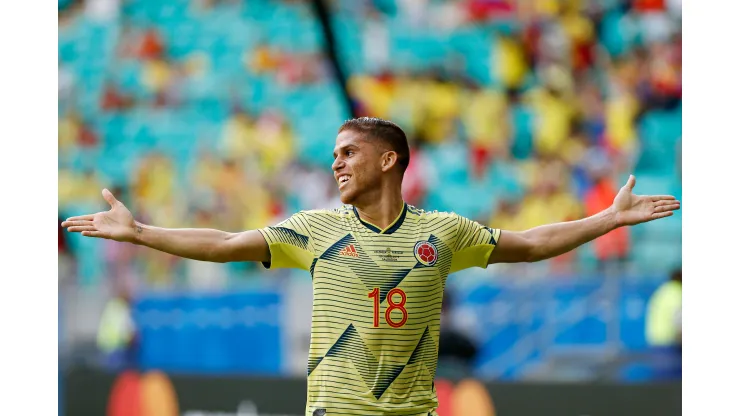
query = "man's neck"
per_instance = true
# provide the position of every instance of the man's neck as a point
(381, 212)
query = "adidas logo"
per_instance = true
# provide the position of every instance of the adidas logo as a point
(349, 251)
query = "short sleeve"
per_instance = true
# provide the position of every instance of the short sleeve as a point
(290, 243)
(473, 245)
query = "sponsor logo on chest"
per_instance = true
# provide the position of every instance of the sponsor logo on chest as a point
(349, 251)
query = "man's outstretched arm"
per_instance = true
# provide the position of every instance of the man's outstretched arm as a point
(547, 241)
(192, 243)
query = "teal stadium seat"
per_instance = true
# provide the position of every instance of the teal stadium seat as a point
(659, 132)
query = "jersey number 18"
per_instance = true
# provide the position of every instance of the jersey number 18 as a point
(375, 296)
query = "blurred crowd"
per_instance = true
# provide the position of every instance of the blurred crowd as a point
(555, 116)
(563, 114)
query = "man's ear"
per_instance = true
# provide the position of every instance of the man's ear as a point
(388, 160)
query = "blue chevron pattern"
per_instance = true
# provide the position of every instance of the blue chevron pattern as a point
(313, 266)
(288, 236)
(313, 363)
(493, 239)
(426, 354)
(351, 347)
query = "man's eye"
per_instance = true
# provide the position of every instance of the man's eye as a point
(350, 152)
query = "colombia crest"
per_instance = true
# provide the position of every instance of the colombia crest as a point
(426, 253)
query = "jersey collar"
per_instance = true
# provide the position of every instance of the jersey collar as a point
(396, 224)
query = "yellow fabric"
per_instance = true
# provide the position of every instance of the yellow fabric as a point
(407, 106)
(510, 63)
(546, 7)
(366, 353)
(662, 316)
(620, 122)
(578, 27)
(442, 105)
(555, 115)
(476, 256)
(485, 118)
(378, 97)
(443, 99)
(286, 256)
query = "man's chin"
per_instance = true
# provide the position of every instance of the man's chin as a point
(346, 197)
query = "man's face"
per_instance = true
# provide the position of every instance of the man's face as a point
(357, 165)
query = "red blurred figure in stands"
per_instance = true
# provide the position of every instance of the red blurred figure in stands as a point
(614, 246)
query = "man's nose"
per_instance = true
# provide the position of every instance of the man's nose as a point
(338, 163)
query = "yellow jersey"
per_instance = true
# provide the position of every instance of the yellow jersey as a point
(377, 299)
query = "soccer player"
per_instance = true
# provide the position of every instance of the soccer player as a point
(378, 267)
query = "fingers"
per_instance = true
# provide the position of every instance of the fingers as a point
(631, 182)
(76, 223)
(656, 215)
(666, 207)
(667, 202)
(88, 217)
(109, 197)
(97, 234)
(656, 198)
(79, 229)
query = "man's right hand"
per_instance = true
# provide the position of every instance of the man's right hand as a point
(117, 224)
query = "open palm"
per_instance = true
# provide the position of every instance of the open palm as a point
(117, 224)
(634, 209)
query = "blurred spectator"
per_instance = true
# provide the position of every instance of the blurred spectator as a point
(554, 110)
(556, 95)
(114, 99)
(486, 10)
(511, 66)
(117, 337)
(663, 328)
(612, 248)
(75, 132)
(621, 111)
(151, 46)
(153, 185)
(663, 317)
(487, 127)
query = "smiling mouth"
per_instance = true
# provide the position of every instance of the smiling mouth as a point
(343, 180)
